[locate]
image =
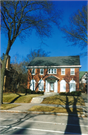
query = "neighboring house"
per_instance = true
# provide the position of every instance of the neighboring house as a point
(54, 74)
(83, 77)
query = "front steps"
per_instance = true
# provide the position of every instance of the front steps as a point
(40, 98)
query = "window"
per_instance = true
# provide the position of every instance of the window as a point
(52, 71)
(32, 85)
(33, 72)
(62, 86)
(72, 85)
(55, 70)
(72, 71)
(62, 71)
(41, 71)
(41, 85)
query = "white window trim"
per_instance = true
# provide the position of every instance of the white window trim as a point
(40, 72)
(53, 70)
(32, 82)
(61, 71)
(33, 73)
(43, 85)
(70, 71)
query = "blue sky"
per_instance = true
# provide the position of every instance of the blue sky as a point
(56, 44)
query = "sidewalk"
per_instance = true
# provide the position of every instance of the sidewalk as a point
(23, 108)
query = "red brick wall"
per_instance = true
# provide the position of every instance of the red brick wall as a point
(67, 77)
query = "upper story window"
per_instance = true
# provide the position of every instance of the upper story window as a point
(52, 71)
(41, 71)
(33, 72)
(72, 71)
(62, 71)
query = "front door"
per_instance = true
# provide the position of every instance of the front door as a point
(51, 86)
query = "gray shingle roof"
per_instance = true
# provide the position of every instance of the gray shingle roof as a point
(55, 61)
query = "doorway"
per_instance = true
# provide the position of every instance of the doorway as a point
(51, 86)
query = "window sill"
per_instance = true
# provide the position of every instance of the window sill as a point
(52, 73)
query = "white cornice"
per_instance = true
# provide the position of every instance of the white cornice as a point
(65, 66)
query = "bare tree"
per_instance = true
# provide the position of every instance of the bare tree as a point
(36, 53)
(19, 18)
(76, 32)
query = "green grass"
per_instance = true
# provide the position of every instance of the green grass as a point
(63, 100)
(56, 109)
(7, 106)
(14, 98)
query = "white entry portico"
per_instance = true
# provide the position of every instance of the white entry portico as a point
(51, 84)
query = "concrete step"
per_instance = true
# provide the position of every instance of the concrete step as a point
(37, 100)
(51, 93)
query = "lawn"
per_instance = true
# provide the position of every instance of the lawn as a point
(63, 100)
(22, 98)
(7, 106)
(56, 109)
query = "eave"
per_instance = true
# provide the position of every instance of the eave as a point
(65, 66)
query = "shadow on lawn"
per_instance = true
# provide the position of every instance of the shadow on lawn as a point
(73, 125)
(15, 98)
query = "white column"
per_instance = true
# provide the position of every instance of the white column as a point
(55, 86)
(46, 86)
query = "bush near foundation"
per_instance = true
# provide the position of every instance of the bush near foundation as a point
(73, 93)
(29, 91)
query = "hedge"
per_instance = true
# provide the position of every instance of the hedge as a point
(73, 93)
(21, 89)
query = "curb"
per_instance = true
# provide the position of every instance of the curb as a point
(47, 113)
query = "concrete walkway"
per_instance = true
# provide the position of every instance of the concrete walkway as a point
(41, 98)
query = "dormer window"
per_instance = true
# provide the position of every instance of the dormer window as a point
(72, 71)
(33, 72)
(41, 71)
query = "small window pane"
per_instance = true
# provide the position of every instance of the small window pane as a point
(54, 70)
(33, 71)
(63, 71)
(72, 71)
(48, 70)
(41, 71)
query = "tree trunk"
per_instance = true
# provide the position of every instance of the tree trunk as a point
(2, 78)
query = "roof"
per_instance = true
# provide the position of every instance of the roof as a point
(81, 73)
(55, 61)
(52, 77)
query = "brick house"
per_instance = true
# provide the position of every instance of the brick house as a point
(54, 74)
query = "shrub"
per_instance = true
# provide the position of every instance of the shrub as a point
(29, 91)
(35, 92)
(68, 94)
(62, 93)
(21, 89)
(73, 93)
(76, 93)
